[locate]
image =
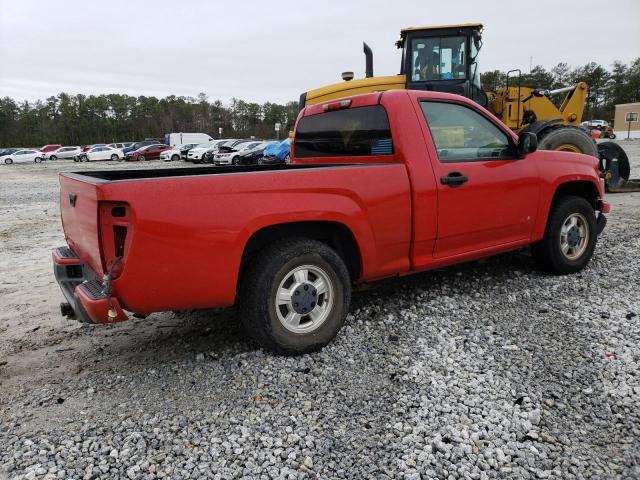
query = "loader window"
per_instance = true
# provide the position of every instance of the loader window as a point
(349, 132)
(438, 58)
(462, 134)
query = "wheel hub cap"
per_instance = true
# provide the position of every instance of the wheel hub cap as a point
(574, 236)
(304, 299)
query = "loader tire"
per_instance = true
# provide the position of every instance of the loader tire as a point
(294, 296)
(570, 237)
(566, 138)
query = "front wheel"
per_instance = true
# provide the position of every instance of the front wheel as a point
(175, 158)
(235, 161)
(8, 161)
(53, 158)
(142, 158)
(294, 296)
(287, 158)
(570, 237)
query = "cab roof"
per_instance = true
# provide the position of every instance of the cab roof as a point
(405, 31)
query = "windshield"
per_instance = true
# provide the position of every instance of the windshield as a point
(438, 58)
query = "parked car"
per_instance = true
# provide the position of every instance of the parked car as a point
(63, 153)
(175, 153)
(137, 145)
(150, 152)
(100, 153)
(251, 156)
(178, 139)
(377, 188)
(595, 123)
(120, 145)
(197, 154)
(86, 148)
(50, 148)
(231, 155)
(25, 155)
(278, 152)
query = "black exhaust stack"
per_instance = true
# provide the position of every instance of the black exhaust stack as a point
(368, 54)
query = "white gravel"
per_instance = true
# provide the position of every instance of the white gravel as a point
(484, 370)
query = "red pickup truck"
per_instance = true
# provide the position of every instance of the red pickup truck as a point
(380, 184)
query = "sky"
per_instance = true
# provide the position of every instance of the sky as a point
(274, 50)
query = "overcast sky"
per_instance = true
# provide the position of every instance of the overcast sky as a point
(274, 50)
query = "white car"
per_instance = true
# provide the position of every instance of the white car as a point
(172, 155)
(226, 157)
(102, 153)
(196, 155)
(26, 155)
(62, 153)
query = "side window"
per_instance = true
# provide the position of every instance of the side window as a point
(460, 133)
(349, 132)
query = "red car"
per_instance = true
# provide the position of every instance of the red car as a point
(50, 148)
(382, 184)
(150, 152)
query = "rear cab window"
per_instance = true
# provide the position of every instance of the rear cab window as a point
(462, 134)
(358, 131)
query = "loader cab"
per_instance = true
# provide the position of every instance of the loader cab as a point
(443, 59)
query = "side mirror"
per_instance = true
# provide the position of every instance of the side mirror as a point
(527, 143)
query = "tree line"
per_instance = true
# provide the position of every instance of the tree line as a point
(86, 119)
(607, 87)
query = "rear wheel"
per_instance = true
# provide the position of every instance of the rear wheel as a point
(570, 237)
(37, 160)
(566, 138)
(53, 157)
(115, 157)
(294, 296)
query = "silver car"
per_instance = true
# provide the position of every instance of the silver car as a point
(62, 153)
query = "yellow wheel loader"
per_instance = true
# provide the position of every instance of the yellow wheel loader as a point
(445, 59)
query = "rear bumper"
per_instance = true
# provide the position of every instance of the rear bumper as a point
(84, 290)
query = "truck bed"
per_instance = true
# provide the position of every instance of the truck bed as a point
(185, 229)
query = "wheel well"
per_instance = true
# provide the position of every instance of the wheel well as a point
(586, 190)
(335, 235)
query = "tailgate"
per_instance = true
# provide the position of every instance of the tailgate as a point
(79, 212)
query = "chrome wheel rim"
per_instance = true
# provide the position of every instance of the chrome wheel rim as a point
(574, 236)
(304, 299)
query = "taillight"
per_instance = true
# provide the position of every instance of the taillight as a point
(115, 228)
(328, 107)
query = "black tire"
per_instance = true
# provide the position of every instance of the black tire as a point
(53, 158)
(175, 158)
(8, 161)
(612, 136)
(259, 289)
(555, 138)
(235, 160)
(142, 158)
(547, 253)
(287, 158)
(37, 160)
(115, 157)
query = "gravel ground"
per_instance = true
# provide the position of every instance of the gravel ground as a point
(484, 370)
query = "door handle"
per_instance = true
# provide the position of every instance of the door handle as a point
(454, 179)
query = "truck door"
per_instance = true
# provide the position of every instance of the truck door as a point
(487, 196)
